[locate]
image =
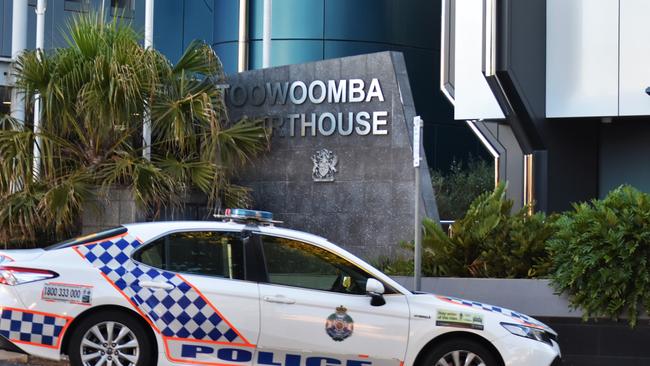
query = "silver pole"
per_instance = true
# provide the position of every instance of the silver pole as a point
(40, 45)
(243, 36)
(18, 45)
(148, 43)
(148, 24)
(266, 38)
(417, 143)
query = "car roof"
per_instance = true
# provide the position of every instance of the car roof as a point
(148, 230)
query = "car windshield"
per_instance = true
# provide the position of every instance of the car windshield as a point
(89, 238)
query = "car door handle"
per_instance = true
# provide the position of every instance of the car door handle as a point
(157, 285)
(279, 299)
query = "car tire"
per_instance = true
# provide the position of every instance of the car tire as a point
(129, 342)
(455, 352)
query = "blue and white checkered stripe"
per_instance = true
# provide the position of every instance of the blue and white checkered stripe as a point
(491, 308)
(34, 328)
(178, 313)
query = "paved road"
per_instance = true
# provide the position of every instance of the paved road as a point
(31, 362)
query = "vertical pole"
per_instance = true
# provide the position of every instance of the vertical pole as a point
(266, 38)
(148, 24)
(148, 43)
(417, 143)
(18, 45)
(243, 36)
(40, 45)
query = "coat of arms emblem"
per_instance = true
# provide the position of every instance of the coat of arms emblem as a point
(339, 325)
(324, 165)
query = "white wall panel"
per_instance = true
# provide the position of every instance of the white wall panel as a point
(582, 58)
(635, 57)
(474, 99)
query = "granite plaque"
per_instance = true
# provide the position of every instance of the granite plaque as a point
(341, 159)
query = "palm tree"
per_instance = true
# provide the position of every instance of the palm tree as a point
(94, 95)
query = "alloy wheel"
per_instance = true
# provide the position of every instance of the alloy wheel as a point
(109, 344)
(460, 358)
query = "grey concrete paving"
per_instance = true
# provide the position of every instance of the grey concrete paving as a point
(21, 361)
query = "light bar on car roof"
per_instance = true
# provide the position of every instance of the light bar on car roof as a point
(242, 214)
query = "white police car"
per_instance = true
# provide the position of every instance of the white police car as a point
(242, 292)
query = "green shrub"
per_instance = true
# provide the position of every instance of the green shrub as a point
(489, 241)
(455, 190)
(601, 255)
(395, 266)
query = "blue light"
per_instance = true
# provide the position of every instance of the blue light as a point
(241, 213)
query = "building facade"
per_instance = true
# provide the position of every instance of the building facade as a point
(302, 31)
(557, 88)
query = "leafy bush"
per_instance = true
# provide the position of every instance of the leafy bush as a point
(601, 255)
(489, 241)
(455, 190)
(395, 266)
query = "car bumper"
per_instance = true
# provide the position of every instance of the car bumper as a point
(517, 351)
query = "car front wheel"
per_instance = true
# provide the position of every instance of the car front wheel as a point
(460, 352)
(110, 338)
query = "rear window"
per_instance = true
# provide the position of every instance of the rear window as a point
(207, 253)
(89, 238)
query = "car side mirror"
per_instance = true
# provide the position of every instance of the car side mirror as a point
(375, 290)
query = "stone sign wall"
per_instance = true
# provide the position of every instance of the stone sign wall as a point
(341, 160)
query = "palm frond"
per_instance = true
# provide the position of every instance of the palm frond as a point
(95, 94)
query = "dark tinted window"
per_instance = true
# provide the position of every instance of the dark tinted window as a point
(209, 253)
(294, 263)
(123, 8)
(77, 5)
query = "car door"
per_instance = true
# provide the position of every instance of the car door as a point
(314, 311)
(209, 309)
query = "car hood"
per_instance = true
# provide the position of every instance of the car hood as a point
(507, 315)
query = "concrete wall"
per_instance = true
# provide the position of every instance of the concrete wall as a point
(118, 207)
(115, 208)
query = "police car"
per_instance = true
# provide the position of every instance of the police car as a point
(242, 291)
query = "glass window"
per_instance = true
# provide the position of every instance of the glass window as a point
(208, 253)
(123, 8)
(294, 263)
(77, 5)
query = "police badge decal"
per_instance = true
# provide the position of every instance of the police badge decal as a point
(339, 325)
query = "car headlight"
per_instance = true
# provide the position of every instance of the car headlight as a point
(528, 332)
